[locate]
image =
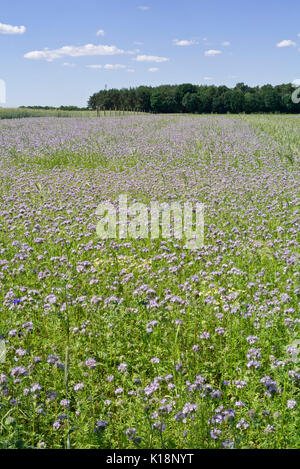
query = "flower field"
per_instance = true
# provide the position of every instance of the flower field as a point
(140, 343)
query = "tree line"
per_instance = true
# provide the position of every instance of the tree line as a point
(198, 99)
(53, 108)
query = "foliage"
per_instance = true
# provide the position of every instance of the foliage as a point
(198, 99)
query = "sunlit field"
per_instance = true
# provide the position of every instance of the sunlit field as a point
(140, 343)
(20, 113)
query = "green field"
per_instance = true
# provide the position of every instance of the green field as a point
(19, 113)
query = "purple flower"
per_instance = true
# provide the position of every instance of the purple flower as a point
(19, 371)
(65, 403)
(91, 363)
(78, 387)
(155, 360)
(56, 425)
(242, 424)
(122, 367)
(228, 444)
(100, 426)
(215, 433)
(35, 388)
(251, 339)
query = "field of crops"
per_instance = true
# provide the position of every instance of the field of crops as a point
(140, 343)
(20, 113)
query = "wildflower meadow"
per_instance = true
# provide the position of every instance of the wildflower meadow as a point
(133, 342)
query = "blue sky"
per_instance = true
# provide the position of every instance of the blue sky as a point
(142, 42)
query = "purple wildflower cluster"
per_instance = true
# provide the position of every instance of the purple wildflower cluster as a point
(133, 342)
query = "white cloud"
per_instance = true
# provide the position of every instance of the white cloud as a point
(100, 32)
(207, 78)
(296, 82)
(153, 69)
(143, 8)
(151, 58)
(133, 52)
(183, 42)
(68, 64)
(114, 66)
(212, 52)
(8, 29)
(130, 70)
(94, 66)
(286, 43)
(107, 66)
(72, 51)
(226, 43)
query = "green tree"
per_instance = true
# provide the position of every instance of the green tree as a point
(163, 99)
(272, 100)
(143, 96)
(237, 101)
(190, 102)
(218, 105)
(251, 103)
(227, 100)
(181, 91)
(92, 102)
(202, 99)
(204, 105)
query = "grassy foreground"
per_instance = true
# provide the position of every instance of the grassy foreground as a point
(140, 343)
